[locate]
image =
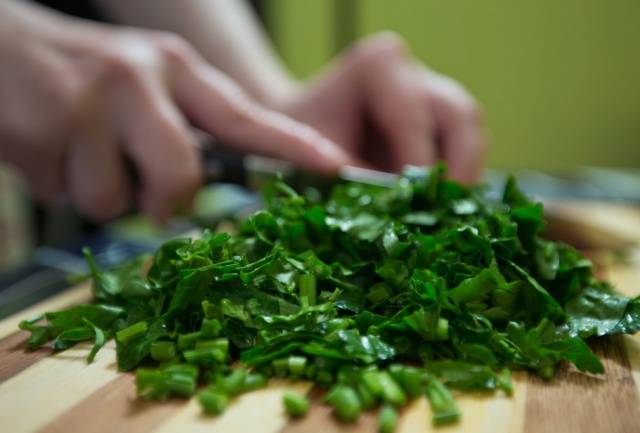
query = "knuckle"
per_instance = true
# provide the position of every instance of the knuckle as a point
(380, 47)
(120, 66)
(128, 56)
(390, 41)
(174, 48)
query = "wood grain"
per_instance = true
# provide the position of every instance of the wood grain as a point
(625, 276)
(50, 387)
(15, 357)
(577, 402)
(632, 346)
(113, 408)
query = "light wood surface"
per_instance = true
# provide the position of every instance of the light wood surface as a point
(45, 392)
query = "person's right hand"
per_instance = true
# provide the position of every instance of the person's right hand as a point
(77, 99)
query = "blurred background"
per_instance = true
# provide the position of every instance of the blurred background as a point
(559, 83)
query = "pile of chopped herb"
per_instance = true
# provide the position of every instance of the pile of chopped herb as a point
(378, 294)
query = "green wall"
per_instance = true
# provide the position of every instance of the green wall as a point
(559, 80)
(301, 31)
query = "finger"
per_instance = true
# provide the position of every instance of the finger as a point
(97, 182)
(46, 183)
(217, 104)
(464, 144)
(393, 96)
(162, 148)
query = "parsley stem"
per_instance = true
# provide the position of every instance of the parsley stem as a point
(308, 288)
(204, 355)
(188, 341)
(296, 405)
(387, 419)
(233, 383)
(221, 344)
(442, 404)
(210, 328)
(254, 381)
(163, 351)
(212, 401)
(409, 378)
(130, 333)
(391, 392)
(345, 402)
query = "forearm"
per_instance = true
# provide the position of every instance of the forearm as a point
(224, 31)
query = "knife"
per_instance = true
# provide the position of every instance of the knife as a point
(224, 165)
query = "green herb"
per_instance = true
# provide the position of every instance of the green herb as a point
(345, 402)
(132, 332)
(442, 404)
(163, 351)
(253, 381)
(387, 419)
(296, 405)
(100, 340)
(348, 291)
(213, 402)
(159, 384)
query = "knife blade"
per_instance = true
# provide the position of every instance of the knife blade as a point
(221, 164)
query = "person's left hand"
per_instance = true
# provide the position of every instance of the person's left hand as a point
(387, 110)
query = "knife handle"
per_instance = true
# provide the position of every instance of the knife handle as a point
(221, 164)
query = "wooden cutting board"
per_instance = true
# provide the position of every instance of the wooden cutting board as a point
(44, 392)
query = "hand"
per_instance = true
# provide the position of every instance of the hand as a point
(78, 99)
(387, 110)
